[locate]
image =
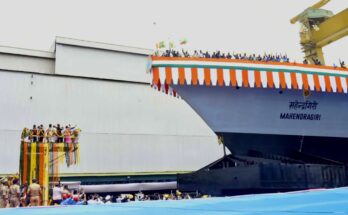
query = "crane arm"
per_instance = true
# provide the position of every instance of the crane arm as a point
(317, 5)
(331, 30)
(320, 4)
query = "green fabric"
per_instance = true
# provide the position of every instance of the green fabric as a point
(28, 164)
(21, 159)
(247, 68)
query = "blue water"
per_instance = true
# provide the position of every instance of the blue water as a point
(333, 201)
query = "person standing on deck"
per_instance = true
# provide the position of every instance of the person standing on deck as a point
(59, 133)
(4, 191)
(34, 191)
(2, 203)
(33, 134)
(51, 134)
(67, 134)
(41, 134)
(75, 135)
(14, 194)
(57, 194)
(23, 197)
(25, 136)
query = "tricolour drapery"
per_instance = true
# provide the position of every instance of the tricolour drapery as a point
(42, 161)
(167, 72)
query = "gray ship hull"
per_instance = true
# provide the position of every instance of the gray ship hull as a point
(280, 140)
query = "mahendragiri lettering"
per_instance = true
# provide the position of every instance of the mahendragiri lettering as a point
(300, 116)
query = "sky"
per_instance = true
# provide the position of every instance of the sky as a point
(251, 26)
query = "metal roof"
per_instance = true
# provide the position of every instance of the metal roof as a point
(104, 46)
(26, 52)
(74, 42)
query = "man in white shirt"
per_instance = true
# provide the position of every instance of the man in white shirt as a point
(108, 199)
(57, 194)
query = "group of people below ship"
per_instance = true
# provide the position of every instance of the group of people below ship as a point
(14, 195)
(53, 134)
(238, 56)
(63, 196)
(9, 193)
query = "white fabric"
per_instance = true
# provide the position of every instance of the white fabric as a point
(162, 74)
(188, 76)
(175, 75)
(299, 81)
(263, 79)
(91, 202)
(213, 76)
(311, 82)
(322, 83)
(251, 78)
(276, 79)
(227, 77)
(344, 84)
(52, 139)
(239, 77)
(57, 193)
(333, 83)
(200, 72)
(288, 79)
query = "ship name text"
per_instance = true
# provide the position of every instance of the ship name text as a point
(302, 106)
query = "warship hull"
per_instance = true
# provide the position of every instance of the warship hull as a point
(279, 140)
(283, 124)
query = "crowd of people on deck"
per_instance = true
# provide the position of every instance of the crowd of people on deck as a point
(221, 55)
(238, 56)
(53, 134)
(14, 195)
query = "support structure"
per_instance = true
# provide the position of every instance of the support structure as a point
(319, 28)
(42, 161)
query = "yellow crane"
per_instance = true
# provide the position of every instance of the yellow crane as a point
(319, 28)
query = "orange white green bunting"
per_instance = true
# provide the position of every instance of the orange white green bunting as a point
(238, 73)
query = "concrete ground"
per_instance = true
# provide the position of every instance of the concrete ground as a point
(331, 201)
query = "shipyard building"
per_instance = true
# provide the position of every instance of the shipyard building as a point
(130, 132)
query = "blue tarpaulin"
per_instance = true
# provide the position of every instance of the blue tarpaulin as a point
(331, 201)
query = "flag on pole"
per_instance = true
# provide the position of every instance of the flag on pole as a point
(183, 41)
(171, 45)
(162, 44)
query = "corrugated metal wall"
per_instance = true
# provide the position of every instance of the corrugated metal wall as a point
(99, 63)
(126, 127)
